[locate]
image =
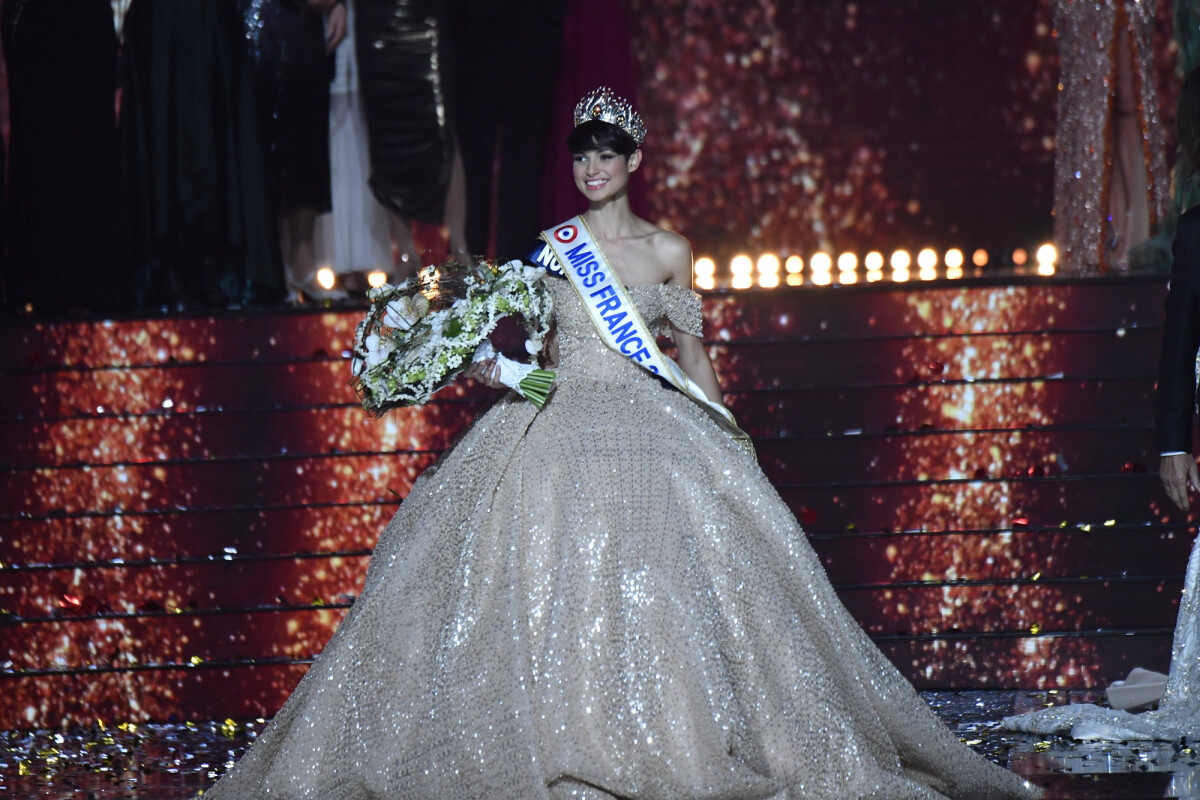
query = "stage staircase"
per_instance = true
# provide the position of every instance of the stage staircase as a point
(188, 505)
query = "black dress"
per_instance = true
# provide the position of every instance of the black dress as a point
(291, 73)
(405, 83)
(202, 219)
(64, 178)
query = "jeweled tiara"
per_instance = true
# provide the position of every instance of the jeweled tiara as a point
(605, 106)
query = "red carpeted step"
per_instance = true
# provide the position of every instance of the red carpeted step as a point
(863, 311)
(870, 409)
(992, 503)
(1048, 451)
(1001, 554)
(272, 618)
(211, 484)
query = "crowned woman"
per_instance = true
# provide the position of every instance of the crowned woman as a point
(605, 598)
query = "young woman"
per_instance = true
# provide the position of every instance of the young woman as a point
(606, 598)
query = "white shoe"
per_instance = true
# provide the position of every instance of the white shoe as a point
(1142, 687)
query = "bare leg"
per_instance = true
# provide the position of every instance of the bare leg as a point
(408, 260)
(456, 209)
(296, 229)
(1128, 207)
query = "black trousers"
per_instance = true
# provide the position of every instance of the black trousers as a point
(508, 66)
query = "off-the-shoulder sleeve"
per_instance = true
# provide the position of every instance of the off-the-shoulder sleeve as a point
(683, 309)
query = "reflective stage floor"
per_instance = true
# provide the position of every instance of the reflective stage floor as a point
(174, 761)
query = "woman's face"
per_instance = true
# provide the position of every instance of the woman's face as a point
(603, 174)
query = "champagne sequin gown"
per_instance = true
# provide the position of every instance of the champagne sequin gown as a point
(603, 599)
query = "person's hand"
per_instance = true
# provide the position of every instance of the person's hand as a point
(486, 372)
(335, 27)
(1178, 472)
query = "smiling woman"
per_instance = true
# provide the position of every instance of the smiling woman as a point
(605, 597)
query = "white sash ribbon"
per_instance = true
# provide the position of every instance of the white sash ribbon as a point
(572, 252)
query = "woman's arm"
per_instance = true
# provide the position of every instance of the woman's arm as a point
(693, 358)
(696, 363)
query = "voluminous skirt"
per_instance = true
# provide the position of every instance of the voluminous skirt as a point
(603, 599)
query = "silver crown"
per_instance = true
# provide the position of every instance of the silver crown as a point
(605, 106)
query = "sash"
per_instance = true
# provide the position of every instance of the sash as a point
(571, 252)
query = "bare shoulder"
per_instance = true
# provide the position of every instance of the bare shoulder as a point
(673, 254)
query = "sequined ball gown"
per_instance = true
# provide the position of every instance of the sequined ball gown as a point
(603, 599)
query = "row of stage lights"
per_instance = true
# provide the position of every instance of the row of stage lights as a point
(820, 267)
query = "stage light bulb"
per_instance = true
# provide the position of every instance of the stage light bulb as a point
(979, 258)
(768, 264)
(900, 275)
(741, 267)
(741, 281)
(705, 281)
(1047, 254)
(954, 258)
(954, 273)
(1046, 268)
(927, 274)
(847, 262)
(874, 275)
(793, 265)
(874, 260)
(821, 262)
(847, 276)
(325, 278)
(1019, 256)
(927, 259)
(901, 260)
(768, 280)
(795, 279)
(704, 267)
(376, 279)
(822, 278)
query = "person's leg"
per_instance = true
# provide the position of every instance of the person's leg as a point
(477, 99)
(456, 209)
(524, 125)
(408, 260)
(296, 229)
(1128, 205)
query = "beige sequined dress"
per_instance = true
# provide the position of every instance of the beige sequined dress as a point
(603, 599)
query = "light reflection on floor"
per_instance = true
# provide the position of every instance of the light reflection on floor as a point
(174, 761)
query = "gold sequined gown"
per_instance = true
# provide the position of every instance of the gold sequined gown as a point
(1089, 33)
(603, 599)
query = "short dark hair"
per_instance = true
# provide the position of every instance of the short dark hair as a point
(596, 134)
(1187, 121)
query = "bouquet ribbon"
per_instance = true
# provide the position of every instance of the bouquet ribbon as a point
(571, 250)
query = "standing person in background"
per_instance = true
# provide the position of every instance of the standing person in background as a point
(353, 238)
(201, 220)
(1178, 713)
(588, 27)
(407, 90)
(289, 65)
(1111, 184)
(64, 233)
(508, 57)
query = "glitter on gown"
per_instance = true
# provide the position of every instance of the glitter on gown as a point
(1083, 159)
(604, 599)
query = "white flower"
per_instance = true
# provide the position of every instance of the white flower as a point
(356, 366)
(533, 346)
(400, 314)
(378, 350)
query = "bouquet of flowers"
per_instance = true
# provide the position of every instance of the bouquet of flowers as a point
(421, 333)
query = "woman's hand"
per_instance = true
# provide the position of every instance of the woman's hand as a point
(335, 27)
(486, 371)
